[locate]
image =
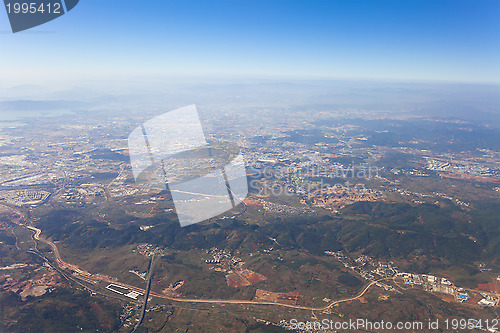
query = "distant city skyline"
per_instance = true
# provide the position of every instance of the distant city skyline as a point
(453, 41)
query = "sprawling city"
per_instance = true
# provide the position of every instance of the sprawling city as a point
(345, 216)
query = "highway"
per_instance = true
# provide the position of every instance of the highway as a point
(146, 294)
(220, 301)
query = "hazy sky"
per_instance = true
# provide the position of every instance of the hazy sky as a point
(424, 40)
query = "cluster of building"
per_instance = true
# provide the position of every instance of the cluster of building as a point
(147, 249)
(85, 192)
(123, 191)
(128, 312)
(218, 257)
(365, 266)
(432, 283)
(442, 285)
(277, 208)
(488, 301)
(24, 197)
(464, 167)
(311, 177)
(372, 269)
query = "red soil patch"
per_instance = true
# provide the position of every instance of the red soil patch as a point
(492, 286)
(243, 278)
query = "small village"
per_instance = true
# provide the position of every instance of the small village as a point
(372, 270)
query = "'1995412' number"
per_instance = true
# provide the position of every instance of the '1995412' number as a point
(32, 8)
